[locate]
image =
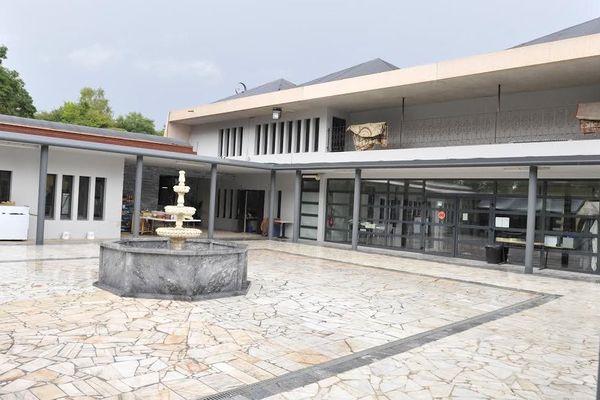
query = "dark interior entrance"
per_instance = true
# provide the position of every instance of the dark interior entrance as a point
(338, 134)
(250, 211)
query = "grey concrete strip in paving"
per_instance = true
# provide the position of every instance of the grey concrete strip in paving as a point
(306, 376)
(48, 259)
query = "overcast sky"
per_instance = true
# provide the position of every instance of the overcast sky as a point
(155, 56)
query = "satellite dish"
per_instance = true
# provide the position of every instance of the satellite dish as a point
(240, 88)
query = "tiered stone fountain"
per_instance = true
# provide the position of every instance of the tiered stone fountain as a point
(178, 267)
(178, 235)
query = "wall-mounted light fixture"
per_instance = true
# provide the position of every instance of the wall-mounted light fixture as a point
(276, 113)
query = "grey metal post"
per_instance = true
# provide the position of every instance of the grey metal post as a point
(356, 210)
(137, 196)
(213, 201)
(531, 208)
(297, 204)
(41, 208)
(272, 205)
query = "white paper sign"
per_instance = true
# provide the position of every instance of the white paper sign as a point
(502, 222)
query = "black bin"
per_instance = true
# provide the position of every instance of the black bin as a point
(495, 253)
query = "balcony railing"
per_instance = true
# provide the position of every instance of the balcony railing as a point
(525, 125)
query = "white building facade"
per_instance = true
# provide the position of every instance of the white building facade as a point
(464, 138)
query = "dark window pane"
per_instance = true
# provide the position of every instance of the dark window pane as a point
(100, 188)
(585, 189)
(5, 177)
(50, 195)
(66, 197)
(257, 133)
(317, 122)
(83, 197)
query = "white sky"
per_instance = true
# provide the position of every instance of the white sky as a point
(154, 56)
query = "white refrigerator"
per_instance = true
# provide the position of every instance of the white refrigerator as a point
(14, 222)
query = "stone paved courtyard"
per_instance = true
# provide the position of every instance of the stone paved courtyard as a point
(316, 323)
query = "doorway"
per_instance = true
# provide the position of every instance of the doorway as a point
(251, 204)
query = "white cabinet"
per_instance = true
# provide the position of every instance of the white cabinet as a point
(14, 222)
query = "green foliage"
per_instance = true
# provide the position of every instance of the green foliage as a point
(136, 122)
(93, 109)
(14, 98)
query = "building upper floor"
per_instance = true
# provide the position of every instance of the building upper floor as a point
(530, 93)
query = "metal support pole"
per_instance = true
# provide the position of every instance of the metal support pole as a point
(297, 203)
(213, 201)
(41, 208)
(356, 210)
(531, 208)
(137, 196)
(272, 205)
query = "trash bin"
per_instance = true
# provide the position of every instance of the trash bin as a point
(495, 253)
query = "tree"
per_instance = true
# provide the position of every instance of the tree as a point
(14, 98)
(92, 109)
(136, 122)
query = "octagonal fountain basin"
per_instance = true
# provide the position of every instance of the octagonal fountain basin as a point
(150, 268)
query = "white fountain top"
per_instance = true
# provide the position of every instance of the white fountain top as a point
(178, 234)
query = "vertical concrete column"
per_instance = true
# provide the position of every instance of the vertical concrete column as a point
(212, 201)
(41, 208)
(137, 196)
(356, 210)
(272, 200)
(531, 206)
(297, 205)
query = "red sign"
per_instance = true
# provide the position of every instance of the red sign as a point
(441, 215)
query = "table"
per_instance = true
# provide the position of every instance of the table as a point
(544, 248)
(148, 224)
(282, 224)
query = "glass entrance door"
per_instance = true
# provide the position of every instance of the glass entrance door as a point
(474, 226)
(440, 225)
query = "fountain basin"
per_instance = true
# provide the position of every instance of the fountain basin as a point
(150, 268)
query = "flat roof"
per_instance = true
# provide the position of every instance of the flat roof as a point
(568, 62)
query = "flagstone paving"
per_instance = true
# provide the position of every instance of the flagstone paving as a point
(62, 338)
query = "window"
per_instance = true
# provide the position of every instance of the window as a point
(316, 142)
(220, 142)
(265, 138)
(233, 141)
(281, 129)
(99, 190)
(5, 177)
(307, 135)
(50, 195)
(289, 136)
(231, 203)
(218, 205)
(66, 197)
(273, 132)
(298, 135)
(257, 147)
(226, 145)
(83, 198)
(241, 133)
(224, 214)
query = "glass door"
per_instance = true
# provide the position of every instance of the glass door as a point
(474, 226)
(440, 225)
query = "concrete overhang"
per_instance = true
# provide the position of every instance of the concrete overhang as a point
(570, 62)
